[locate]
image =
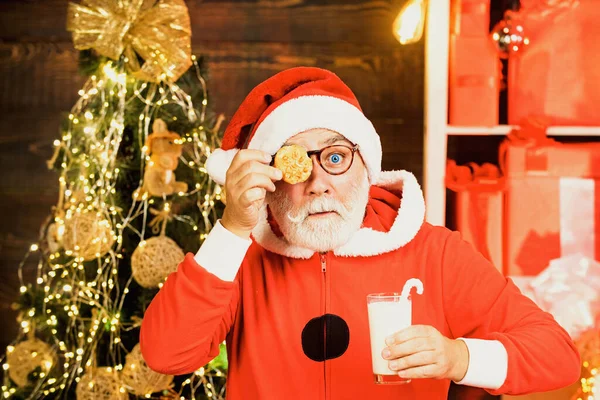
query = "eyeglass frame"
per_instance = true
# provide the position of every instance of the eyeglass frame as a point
(311, 153)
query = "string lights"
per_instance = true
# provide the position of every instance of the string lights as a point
(80, 295)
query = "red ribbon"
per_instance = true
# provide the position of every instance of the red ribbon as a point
(473, 177)
(478, 181)
(533, 133)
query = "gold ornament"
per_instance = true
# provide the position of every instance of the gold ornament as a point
(158, 31)
(100, 384)
(154, 259)
(139, 378)
(26, 356)
(165, 149)
(294, 162)
(87, 235)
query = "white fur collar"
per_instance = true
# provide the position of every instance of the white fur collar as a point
(365, 241)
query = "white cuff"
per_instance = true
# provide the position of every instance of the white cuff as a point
(488, 364)
(222, 252)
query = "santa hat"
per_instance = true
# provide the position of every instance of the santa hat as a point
(291, 102)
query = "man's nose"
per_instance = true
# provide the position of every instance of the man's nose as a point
(318, 182)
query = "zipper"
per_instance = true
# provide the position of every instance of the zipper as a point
(323, 259)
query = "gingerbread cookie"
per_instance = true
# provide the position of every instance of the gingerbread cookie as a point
(295, 164)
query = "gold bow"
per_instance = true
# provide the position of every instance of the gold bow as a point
(160, 216)
(158, 31)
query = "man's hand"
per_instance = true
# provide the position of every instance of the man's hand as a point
(421, 351)
(248, 179)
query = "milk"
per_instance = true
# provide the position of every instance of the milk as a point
(385, 319)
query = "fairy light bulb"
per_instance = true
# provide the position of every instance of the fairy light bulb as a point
(408, 25)
(109, 71)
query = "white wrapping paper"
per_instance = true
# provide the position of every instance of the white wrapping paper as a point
(569, 290)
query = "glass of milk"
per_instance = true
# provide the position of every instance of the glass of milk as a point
(388, 314)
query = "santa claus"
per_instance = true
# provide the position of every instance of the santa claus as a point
(284, 275)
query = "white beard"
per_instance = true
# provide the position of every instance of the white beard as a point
(323, 233)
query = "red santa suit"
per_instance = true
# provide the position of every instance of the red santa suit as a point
(295, 322)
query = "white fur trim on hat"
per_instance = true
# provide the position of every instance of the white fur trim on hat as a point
(218, 163)
(327, 112)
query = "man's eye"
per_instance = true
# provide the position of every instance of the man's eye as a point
(336, 158)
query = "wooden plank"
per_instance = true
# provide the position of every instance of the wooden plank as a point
(22, 219)
(28, 190)
(26, 139)
(12, 251)
(38, 75)
(9, 293)
(9, 278)
(360, 21)
(23, 216)
(387, 82)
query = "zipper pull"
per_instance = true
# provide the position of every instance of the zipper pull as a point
(323, 263)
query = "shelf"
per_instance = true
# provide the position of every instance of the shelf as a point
(505, 129)
(436, 103)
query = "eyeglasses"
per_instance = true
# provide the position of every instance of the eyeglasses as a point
(336, 159)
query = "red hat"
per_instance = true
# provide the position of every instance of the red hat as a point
(291, 102)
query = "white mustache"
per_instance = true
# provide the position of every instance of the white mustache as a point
(318, 205)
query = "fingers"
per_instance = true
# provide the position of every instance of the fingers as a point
(253, 188)
(248, 178)
(249, 181)
(413, 360)
(251, 196)
(255, 168)
(420, 352)
(236, 174)
(412, 332)
(246, 155)
(407, 348)
(420, 372)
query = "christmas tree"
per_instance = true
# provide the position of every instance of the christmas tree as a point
(134, 197)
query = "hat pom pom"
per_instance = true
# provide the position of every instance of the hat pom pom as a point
(218, 163)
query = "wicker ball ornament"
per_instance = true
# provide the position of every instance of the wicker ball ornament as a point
(26, 356)
(154, 259)
(88, 235)
(139, 378)
(100, 383)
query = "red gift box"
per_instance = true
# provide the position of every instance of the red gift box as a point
(470, 17)
(557, 74)
(479, 203)
(474, 73)
(552, 204)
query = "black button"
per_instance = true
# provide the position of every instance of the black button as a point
(325, 337)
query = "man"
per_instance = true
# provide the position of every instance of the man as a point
(284, 276)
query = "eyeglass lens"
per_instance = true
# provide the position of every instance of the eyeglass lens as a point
(336, 159)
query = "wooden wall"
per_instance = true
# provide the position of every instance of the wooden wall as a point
(245, 41)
